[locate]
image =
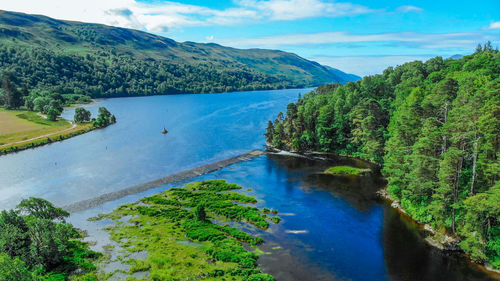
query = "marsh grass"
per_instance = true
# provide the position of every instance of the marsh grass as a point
(218, 251)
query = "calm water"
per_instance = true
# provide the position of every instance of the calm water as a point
(202, 129)
(332, 228)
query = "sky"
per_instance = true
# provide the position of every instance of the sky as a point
(360, 37)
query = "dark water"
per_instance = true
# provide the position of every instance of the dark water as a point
(335, 228)
(332, 228)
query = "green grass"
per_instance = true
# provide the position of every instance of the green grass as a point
(347, 170)
(219, 253)
(19, 125)
(18, 128)
(36, 118)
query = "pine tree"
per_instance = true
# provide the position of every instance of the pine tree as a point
(423, 178)
(13, 98)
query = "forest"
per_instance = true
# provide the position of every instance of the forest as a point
(433, 126)
(104, 74)
(66, 57)
(36, 243)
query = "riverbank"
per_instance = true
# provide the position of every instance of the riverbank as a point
(22, 129)
(319, 155)
(441, 241)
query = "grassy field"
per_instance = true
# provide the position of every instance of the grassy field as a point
(21, 129)
(19, 125)
(346, 170)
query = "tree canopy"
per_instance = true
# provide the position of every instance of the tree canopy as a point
(434, 126)
(37, 243)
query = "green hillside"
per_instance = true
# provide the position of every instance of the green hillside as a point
(346, 77)
(100, 60)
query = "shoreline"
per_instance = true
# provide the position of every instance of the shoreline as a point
(447, 243)
(75, 130)
(47, 139)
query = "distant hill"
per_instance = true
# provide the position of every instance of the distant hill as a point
(345, 77)
(100, 60)
(457, 57)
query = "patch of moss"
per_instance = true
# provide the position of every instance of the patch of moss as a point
(347, 170)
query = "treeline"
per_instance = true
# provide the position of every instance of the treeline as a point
(36, 244)
(107, 74)
(49, 103)
(434, 127)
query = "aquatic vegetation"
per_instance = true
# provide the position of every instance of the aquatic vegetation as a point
(346, 170)
(276, 219)
(201, 213)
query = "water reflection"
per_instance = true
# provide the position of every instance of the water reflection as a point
(409, 257)
(351, 234)
(332, 228)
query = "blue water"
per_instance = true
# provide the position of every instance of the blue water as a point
(332, 228)
(202, 129)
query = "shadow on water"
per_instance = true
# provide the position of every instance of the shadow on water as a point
(358, 191)
(409, 257)
(348, 233)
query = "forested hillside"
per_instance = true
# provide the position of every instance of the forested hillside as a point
(101, 61)
(434, 127)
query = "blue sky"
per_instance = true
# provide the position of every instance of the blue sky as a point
(361, 37)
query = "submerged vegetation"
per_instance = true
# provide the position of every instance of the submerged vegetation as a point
(189, 233)
(433, 125)
(36, 243)
(347, 170)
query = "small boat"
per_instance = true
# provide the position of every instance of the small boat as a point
(164, 130)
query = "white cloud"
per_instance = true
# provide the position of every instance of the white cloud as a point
(494, 25)
(408, 9)
(366, 65)
(465, 40)
(161, 16)
(210, 38)
(297, 9)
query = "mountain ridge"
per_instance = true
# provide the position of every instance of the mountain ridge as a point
(55, 38)
(346, 77)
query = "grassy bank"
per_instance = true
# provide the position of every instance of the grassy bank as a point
(20, 129)
(18, 125)
(188, 234)
(347, 171)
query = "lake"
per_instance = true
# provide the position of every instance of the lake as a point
(332, 228)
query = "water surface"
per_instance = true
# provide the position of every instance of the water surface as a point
(333, 228)
(202, 129)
